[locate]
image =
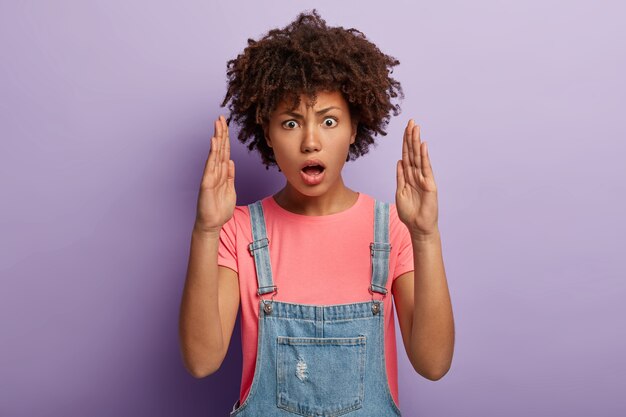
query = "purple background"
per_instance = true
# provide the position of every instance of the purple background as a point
(106, 112)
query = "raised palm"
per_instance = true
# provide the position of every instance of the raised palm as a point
(217, 197)
(416, 195)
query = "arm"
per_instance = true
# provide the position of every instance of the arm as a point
(209, 307)
(211, 295)
(422, 296)
(425, 311)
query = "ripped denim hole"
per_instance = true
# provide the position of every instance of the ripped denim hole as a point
(301, 369)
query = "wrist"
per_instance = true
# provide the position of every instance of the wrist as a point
(206, 232)
(430, 237)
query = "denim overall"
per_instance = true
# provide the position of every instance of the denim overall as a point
(314, 360)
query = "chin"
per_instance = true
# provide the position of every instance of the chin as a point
(309, 190)
(316, 191)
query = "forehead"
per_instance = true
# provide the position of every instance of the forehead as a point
(322, 100)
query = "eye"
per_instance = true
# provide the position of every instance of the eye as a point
(290, 124)
(330, 122)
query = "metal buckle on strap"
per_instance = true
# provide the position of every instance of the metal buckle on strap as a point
(267, 305)
(382, 290)
(258, 244)
(381, 247)
(273, 287)
(376, 304)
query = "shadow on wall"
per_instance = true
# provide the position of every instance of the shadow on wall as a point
(183, 395)
(178, 392)
(222, 388)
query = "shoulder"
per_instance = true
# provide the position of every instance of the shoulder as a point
(394, 220)
(368, 202)
(396, 227)
(241, 214)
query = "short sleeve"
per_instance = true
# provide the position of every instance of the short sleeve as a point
(401, 239)
(227, 249)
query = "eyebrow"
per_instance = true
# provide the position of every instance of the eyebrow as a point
(298, 115)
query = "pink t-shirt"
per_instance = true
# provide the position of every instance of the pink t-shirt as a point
(319, 260)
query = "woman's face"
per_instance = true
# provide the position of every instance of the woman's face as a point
(311, 144)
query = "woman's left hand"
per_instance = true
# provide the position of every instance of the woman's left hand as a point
(416, 196)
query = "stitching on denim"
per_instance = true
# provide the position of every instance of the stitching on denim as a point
(256, 376)
(387, 389)
(296, 407)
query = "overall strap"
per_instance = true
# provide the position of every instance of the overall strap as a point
(259, 248)
(380, 248)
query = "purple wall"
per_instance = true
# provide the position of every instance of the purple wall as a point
(106, 114)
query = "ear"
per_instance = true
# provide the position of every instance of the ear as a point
(266, 129)
(353, 134)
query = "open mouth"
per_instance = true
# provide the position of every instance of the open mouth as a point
(312, 172)
(313, 169)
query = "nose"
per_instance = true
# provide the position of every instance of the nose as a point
(310, 141)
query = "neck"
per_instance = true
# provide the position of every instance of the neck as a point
(338, 199)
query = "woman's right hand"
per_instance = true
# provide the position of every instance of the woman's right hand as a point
(217, 197)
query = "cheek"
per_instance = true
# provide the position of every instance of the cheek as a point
(284, 157)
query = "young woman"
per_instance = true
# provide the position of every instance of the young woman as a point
(312, 266)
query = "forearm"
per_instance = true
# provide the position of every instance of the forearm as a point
(200, 328)
(432, 335)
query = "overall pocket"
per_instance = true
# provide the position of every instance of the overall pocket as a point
(320, 376)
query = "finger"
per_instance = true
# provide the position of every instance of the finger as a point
(409, 172)
(215, 129)
(218, 128)
(222, 165)
(408, 163)
(223, 172)
(224, 139)
(409, 138)
(210, 165)
(215, 146)
(400, 176)
(227, 142)
(405, 146)
(213, 152)
(417, 149)
(225, 155)
(427, 167)
(220, 158)
(231, 173)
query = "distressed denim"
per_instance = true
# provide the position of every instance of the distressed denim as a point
(320, 361)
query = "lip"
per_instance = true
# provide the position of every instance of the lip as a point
(310, 162)
(312, 179)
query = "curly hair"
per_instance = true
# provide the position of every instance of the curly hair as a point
(306, 57)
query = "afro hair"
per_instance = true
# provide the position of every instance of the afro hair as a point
(306, 57)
